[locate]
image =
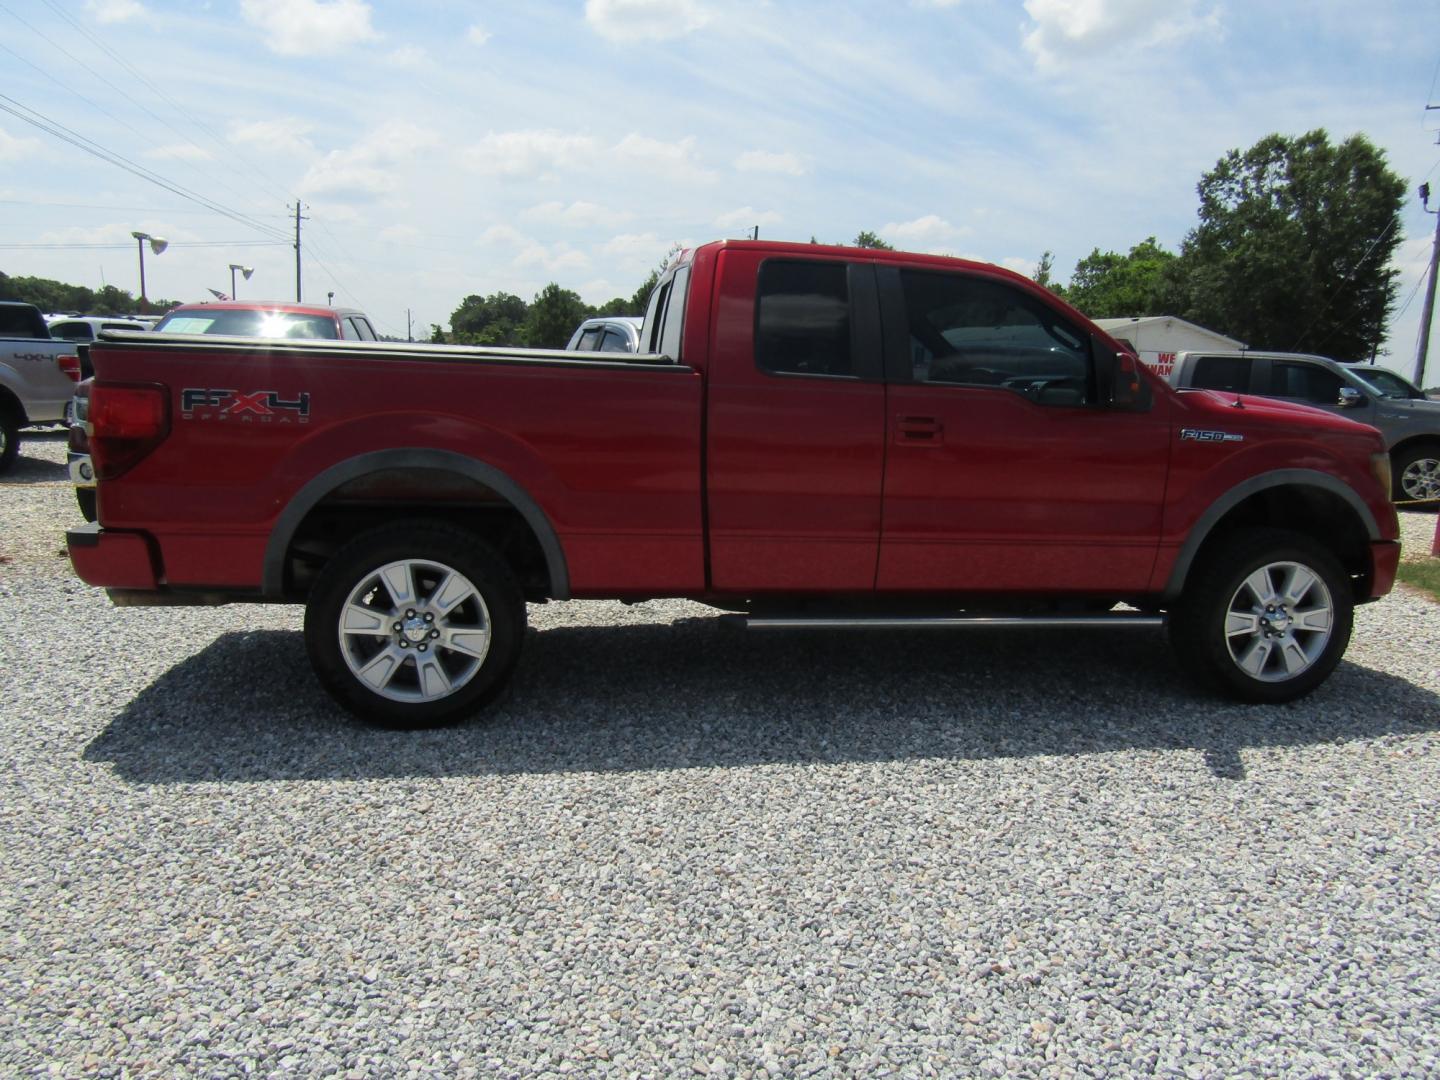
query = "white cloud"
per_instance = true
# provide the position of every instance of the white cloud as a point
(310, 27)
(578, 215)
(180, 152)
(764, 161)
(503, 236)
(369, 167)
(930, 233)
(408, 57)
(399, 234)
(287, 136)
(478, 35)
(115, 11)
(554, 259)
(636, 249)
(746, 218)
(1071, 31)
(16, 149)
(644, 20)
(672, 160)
(528, 154)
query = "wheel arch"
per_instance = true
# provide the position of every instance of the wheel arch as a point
(429, 473)
(1304, 500)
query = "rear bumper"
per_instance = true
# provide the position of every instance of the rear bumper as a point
(112, 560)
(1385, 558)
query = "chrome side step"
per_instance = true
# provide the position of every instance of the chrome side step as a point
(952, 622)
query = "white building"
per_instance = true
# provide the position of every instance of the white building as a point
(1157, 338)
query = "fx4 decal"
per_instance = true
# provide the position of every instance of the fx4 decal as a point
(1196, 435)
(251, 406)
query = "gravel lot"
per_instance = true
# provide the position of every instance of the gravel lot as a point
(679, 850)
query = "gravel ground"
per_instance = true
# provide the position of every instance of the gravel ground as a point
(678, 850)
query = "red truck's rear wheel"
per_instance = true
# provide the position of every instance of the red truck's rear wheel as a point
(1265, 617)
(415, 624)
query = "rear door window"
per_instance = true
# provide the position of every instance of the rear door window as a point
(1229, 373)
(803, 319)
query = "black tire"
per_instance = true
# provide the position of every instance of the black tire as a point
(85, 497)
(1277, 657)
(9, 438)
(458, 609)
(1415, 474)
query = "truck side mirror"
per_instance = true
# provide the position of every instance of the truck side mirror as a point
(1350, 398)
(1127, 386)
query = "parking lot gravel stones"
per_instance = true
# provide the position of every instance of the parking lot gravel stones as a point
(678, 850)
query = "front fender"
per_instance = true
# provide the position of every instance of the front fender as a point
(1235, 495)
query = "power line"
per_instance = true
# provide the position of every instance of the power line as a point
(99, 246)
(60, 131)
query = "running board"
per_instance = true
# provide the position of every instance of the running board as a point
(952, 622)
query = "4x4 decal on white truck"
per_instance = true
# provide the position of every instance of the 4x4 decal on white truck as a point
(1196, 435)
(266, 406)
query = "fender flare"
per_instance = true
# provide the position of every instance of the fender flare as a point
(1242, 491)
(309, 496)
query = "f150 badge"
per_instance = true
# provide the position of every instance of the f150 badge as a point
(1196, 435)
(252, 406)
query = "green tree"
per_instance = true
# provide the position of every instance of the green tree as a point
(553, 316)
(867, 239)
(1108, 285)
(1045, 274)
(1294, 245)
(497, 319)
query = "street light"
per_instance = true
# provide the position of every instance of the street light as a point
(157, 245)
(246, 270)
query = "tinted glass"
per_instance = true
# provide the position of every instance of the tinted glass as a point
(674, 320)
(1230, 373)
(589, 338)
(803, 323)
(20, 322)
(614, 341)
(267, 324)
(654, 312)
(367, 332)
(973, 331)
(72, 331)
(348, 330)
(1307, 382)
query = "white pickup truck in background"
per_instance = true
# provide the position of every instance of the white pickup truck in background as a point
(37, 375)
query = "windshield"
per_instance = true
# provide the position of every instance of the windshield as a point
(1386, 383)
(265, 324)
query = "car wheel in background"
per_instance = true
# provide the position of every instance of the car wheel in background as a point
(1417, 475)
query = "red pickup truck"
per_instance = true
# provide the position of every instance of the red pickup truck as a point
(810, 436)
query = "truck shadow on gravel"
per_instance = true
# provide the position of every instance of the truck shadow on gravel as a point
(701, 694)
(30, 467)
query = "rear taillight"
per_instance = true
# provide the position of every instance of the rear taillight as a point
(126, 422)
(69, 367)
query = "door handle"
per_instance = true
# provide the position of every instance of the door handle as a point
(919, 429)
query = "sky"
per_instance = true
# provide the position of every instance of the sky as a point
(440, 148)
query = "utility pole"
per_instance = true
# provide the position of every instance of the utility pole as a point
(1420, 353)
(409, 327)
(298, 219)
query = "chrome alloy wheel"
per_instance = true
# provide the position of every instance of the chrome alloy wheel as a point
(415, 631)
(1421, 479)
(1279, 621)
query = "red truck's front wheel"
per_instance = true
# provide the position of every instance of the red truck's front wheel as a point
(415, 624)
(1265, 617)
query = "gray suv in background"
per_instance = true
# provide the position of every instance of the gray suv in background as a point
(1408, 421)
